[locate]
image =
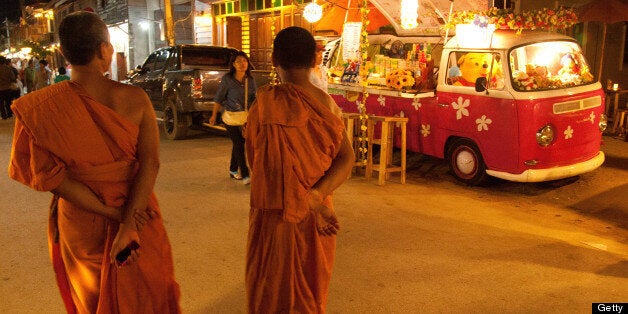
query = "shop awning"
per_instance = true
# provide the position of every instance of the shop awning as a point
(432, 14)
(335, 12)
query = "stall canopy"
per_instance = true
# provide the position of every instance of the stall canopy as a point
(432, 14)
(337, 12)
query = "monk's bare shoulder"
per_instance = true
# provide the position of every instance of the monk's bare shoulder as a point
(130, 100)
(322, 95)
(128, 92)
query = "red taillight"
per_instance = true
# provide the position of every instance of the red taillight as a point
(197, 88)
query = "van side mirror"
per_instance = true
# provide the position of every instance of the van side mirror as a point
(480, 84)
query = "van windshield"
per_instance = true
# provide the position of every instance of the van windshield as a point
(548, 65)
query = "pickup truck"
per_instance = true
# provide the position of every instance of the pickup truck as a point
(181, 82)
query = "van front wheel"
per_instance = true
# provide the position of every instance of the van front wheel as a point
(466, 162)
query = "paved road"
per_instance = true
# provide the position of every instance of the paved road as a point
(429, 246)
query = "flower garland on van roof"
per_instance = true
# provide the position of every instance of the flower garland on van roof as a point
(544, 19)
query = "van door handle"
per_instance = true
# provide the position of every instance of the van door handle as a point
(443, 105)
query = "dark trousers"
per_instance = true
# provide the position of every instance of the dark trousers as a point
(6, 97)
(238, 161)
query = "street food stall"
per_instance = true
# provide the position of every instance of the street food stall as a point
(485, 93)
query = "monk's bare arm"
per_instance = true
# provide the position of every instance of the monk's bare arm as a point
(326, 221)
(148, 159)
(339, 170)
(144, 181)
(84, 198)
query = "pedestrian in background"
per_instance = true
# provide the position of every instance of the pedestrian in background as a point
(299, 154)
(230, 96)
(318, 75)
(61, 76)
(15, 65)
(15, 85)
(29, 76)
(42, 75)
(94, 144)
(7, 84)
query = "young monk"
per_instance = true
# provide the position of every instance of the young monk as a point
(94, 143)
(299, 154)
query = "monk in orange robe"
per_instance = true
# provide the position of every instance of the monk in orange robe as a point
(94, 143)
(299, 154)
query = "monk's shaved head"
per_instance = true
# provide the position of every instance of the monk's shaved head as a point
(294, 48)
(80, 35)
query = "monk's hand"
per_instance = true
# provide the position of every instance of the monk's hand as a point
(127, 237)
(212, 120)
(326, 219)
(142, 217)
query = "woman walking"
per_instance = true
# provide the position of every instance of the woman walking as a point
(231, 96)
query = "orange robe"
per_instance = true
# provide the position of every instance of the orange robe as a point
(291, 140)
(61, 132)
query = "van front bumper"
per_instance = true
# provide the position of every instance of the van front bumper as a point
(549, 174)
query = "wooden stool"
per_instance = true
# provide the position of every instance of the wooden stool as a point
(385, 166)
(620, 122)
(352, 125)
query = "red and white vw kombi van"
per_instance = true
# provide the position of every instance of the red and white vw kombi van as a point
(521, 107)
(541, 117)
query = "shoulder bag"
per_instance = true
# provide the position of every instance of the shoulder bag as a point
(238, 118)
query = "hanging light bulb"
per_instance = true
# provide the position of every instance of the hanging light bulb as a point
(313, 12)
(409, 14)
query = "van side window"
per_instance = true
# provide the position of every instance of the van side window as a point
(453, 71)
(464, 68)
(496, 77)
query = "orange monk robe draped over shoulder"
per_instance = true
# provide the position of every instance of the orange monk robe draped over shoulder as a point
(291, 140)
(61, 132)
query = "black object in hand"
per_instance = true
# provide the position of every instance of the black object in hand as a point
(124, 254)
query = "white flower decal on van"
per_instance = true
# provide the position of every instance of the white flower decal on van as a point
(592, 117)
(461, 108)
(483, 123)
(416, 103)
(425, 130)
(401, 115)
(382, 100)
(568, 132)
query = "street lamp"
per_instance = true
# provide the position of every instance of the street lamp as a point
(144, 25)
(312, 12)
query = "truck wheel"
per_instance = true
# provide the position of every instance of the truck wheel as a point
(466, 162)
(175, 124)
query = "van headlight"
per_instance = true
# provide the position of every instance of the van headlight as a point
(603, 122)
(545, 135)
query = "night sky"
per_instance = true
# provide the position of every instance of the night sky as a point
(12, 10)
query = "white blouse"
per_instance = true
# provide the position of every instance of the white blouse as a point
(319, 81)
